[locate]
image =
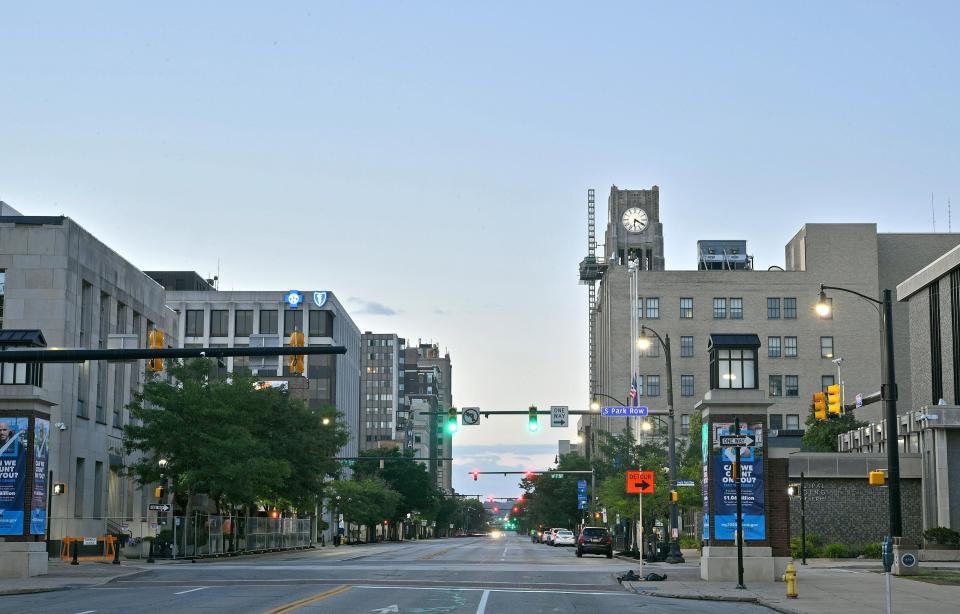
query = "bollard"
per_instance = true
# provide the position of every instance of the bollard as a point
(790, 577)
(116, 550)
(74, 561)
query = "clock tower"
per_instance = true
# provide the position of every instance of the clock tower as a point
(634, 231)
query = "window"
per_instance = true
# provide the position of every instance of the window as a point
(194, 323)
(775, 385)
(639, 385)
(653, 308)
(936, 362)
(773, 309)
(686, 308)
(789, 347)
(686, 347)
(736, 308)
(686, 385)
(640, 308)
(736, 368)
(684, 424)
(219, 323)
(268, 321)
(320, 323)
(773, 347)
(829, 315)
(791, 386)
(78, 489)
(243, 323)
(826, 347)
(654, 350)
(790, 308)
(719, 308)
(653, 385)
(793, 422)
(98, 489)
(826, 380)
(776, 422)
(292, 321)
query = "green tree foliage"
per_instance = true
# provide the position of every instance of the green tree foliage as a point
(367, 501)
(404, 475)
(821, 435)
(474, 515)
(550, 501)
(224, 438)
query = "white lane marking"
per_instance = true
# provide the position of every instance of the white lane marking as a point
(265, 581)
(490, 590)
(482, 607)
(200, 588)
(87, 612)
(504, 555)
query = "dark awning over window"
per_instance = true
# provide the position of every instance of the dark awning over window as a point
(727, 341)
(22, 338)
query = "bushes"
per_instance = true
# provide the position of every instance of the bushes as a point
(689, 542)
(872, 551)
(942, 535)
(814, 549)
(836, 551)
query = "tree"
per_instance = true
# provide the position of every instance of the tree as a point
(403, 474)
(551, 501)
(821, 435)
(222, 437)
(366, 502)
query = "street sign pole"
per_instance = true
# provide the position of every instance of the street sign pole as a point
(736, 430)
(640, 499)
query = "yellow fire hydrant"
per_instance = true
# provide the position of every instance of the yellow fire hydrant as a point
(790, 577)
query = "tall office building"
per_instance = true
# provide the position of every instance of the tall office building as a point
(429, 355)
(382, 403)
(725, 294)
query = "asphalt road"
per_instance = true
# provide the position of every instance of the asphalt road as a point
(467, 575)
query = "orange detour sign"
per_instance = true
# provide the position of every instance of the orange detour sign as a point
(640, 482)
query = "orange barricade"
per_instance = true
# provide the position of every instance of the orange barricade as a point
(109, 548)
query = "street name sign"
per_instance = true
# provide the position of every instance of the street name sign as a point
(559, 415)
(89, 541)
(470, 416)
(859, 400)
(159, 507)
(741, 441)
(623, 411)
(640, 482)
(684, 483)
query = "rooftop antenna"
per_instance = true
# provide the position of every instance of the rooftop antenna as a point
(933, 212)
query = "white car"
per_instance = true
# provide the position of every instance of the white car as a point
(564, 538)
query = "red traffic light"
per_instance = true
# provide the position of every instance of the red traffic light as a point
(520, 498)
(475, 474)
(515, 509)
(496, 510)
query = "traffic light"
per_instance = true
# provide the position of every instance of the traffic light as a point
(159, 492)
(295, 361)
(452, 420)
(155, 342)
(475, 474)
(674, 496)
(532, 425)
(528, 475)
(833, 399)
(496, 510)
(520, 498)
(820, 406)
(515, 509)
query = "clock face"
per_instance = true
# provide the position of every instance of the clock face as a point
(635, 219)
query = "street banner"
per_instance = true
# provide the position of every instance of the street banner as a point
(752, 486)
(13, 474)
(581, 494)
(705, 483)
(41, 456)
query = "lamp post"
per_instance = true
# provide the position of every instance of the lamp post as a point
(674, 556)
(888, 394)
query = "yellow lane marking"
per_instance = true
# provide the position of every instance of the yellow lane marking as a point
(296, 605)
(435, 553)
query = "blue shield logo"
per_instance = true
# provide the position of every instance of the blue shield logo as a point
(319, 299)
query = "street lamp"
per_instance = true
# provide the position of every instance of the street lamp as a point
(674, 555)
(888, 394)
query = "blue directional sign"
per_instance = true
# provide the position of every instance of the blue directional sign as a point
(581, 494)
(623, 411)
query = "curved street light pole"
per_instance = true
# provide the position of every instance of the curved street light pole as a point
(674, 555)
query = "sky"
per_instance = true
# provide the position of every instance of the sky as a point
(429, 161)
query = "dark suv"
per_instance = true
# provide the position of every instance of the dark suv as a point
(595, 540)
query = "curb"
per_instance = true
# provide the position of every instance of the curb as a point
(65, 587)
(723, 598)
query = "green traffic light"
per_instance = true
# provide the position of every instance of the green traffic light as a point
(452, 426)
(533, 426)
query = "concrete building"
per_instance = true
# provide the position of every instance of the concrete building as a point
(210, 318)
(58, 279)
(382, 402)
(726, 295)
(429, 355)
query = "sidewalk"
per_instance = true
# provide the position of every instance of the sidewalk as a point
(61, 575)
(824, 586)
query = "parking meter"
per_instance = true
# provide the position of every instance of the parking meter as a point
(886, 551)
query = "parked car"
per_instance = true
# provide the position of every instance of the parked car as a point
(595, 540)
(564, 538)
(552, 535)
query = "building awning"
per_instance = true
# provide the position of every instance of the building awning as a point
(22, 338)
(727, 341)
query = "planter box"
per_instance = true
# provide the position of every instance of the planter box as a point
(939, 555)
